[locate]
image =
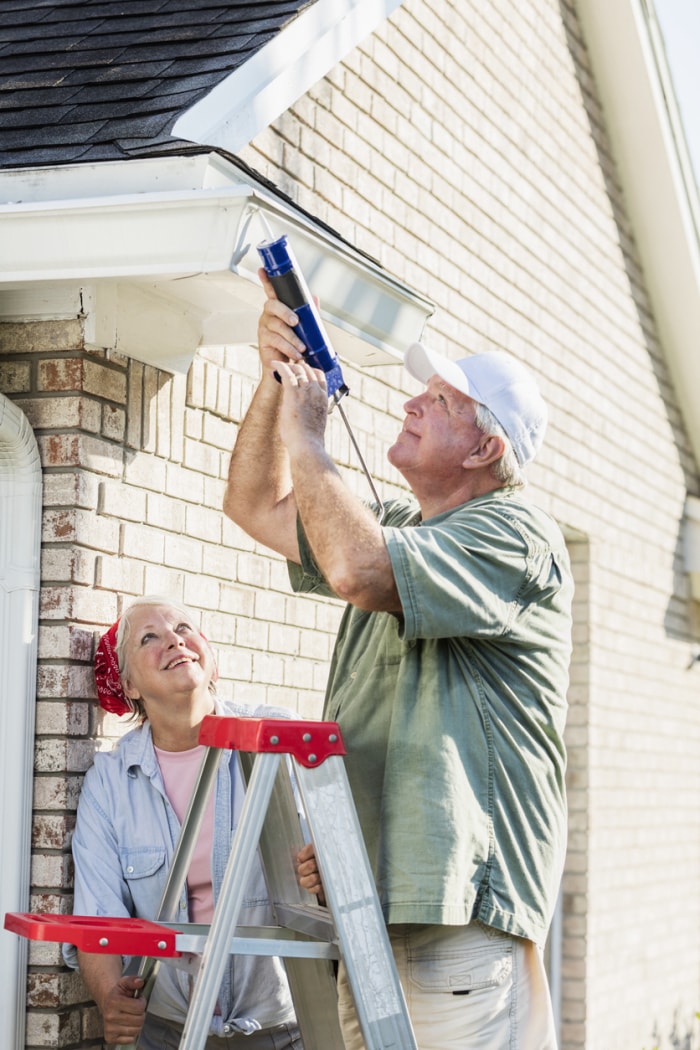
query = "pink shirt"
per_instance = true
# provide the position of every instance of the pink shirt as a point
(179, 769)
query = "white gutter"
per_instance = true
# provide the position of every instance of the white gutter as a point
(20, 540)
(264, 87)
(661, 196)
(159, 257)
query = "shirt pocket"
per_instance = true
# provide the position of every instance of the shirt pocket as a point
(141, 862)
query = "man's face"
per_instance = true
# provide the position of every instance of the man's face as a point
(437, 435)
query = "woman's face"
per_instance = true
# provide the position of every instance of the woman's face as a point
(165, 655)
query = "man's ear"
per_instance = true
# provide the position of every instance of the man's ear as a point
(489, 450)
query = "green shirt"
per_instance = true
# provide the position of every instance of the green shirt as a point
(453, 714)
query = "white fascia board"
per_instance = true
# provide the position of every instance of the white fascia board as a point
(173, 266)
(252, 97)
(661, 193)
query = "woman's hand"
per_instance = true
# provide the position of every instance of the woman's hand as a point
(123, 1015)
(308, 874)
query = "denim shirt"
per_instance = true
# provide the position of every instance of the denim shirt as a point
(453, 713)
(123, 844)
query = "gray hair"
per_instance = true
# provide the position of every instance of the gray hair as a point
(124, 633)
(507, 470)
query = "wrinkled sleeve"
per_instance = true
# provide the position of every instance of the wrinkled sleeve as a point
(99, 886)
(307, 578)
(458, 577)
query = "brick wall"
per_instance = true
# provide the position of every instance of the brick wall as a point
(464, 147)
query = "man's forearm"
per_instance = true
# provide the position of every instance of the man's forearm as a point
(345, 537)
(100, 974)
(259, 494)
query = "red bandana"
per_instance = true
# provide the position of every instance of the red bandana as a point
(107, 678)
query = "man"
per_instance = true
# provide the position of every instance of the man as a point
(449, 674)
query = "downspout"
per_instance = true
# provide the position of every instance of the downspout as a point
(20, 546)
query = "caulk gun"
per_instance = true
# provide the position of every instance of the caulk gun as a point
(291, 289)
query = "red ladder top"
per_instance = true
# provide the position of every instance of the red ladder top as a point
(309, 742)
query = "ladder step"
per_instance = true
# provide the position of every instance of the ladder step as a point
(97, 935)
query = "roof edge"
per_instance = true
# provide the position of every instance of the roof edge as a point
(256, 94)
(636, 90)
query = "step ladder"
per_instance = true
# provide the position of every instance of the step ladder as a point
(276, 757)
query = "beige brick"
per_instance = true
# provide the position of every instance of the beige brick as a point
(52, 831)
(80, 450)
(76, 603)
(145, 472)
(204, 522)
(122, 501)
(161, 580)
(162, 512)
(40, 336)
(67, 719)
(201, 458)
(68, 565)
(65, 642)
(113, 423)
(141, 541)
(75, 413)
(15, 377)
(201, 592)
(50, 869)
(115, 573)
(54, 991)
(73, 488)
(182, 552)
(55, 1029)
(56, 792)
(44, 954)
(183, 484)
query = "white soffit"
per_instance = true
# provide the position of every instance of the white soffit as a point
(159, 256)
(252, 97)
(642, 116)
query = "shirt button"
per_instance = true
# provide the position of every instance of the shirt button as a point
(130, 870)
(228, 1029)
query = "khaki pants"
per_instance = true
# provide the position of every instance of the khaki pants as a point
(466, 988)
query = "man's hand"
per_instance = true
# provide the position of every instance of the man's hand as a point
(276, 336)
(304, 411)
(308, 873)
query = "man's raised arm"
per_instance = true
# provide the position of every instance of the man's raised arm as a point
(259, 494)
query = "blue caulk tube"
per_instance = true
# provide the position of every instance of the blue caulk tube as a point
(291, 289)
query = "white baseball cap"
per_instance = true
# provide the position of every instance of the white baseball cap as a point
(495, 379)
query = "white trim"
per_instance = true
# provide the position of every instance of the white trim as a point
(20, 543)
(661, 197)
(261, 89)
(159, 258)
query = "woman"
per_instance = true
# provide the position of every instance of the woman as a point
(156, 664)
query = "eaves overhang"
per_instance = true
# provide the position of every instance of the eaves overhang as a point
(159, 257)
(263, 87)
(661, 195)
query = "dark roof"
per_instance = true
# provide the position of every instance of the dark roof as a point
(90, 80)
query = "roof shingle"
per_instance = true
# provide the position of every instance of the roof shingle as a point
(106, 80)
